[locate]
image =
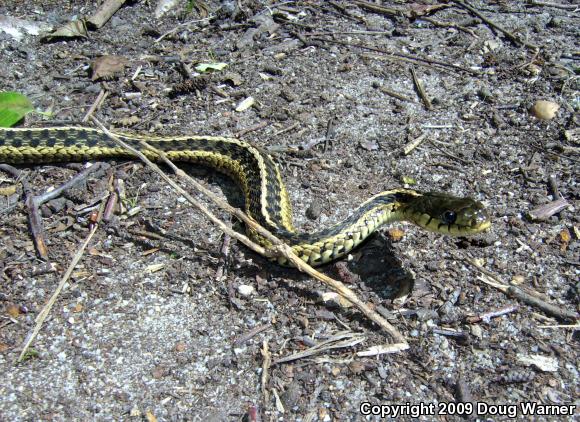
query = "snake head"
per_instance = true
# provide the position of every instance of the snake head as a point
(444, 213)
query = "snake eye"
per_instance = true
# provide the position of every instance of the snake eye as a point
(449, 217)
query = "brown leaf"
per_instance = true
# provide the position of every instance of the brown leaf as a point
(105, 67)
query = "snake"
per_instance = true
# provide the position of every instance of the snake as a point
(260, 179)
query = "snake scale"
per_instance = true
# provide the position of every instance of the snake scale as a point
(258, 175)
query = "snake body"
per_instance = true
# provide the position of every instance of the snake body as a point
(266, 198)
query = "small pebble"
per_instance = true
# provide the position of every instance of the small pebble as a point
(246, 290)
(314, 211)
(544, 110)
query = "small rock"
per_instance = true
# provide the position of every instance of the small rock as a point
(369, 145)
(314, 211)
(476, 331)
(246, 290)
(544, 110)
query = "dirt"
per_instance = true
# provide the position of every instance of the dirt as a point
(129, 341)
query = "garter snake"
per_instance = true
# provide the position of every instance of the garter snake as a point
(266, 198)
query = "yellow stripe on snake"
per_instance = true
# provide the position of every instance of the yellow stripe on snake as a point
(266, 198)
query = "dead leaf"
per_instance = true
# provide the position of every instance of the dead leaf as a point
(356, 367)
(73, 29)
(4, 347)
(106, 67)
(77, 308)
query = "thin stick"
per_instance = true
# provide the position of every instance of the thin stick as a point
(80, 177)
(96, 104)
(421, 90)
(265, 369)
(105, 12)
(571, 326)
(556, 5)
(448, 25)
(410, 146)
(394, 94)
(181, 26)
(287, 129)
(382, 9)
(46, 309)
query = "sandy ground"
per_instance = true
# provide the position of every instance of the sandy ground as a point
(125, 343)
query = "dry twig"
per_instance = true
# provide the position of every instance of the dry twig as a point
(105, 12)
(337, 341)
(572, 7)
(96, 104)
(46, 309)
(420, 89)
(267, 356)
(393, 94)
(410, 146)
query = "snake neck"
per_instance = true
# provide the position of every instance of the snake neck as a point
(328, 244)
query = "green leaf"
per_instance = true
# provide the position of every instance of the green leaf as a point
(30, 354)
(204, 67)
(409, 180)
(13, 107)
